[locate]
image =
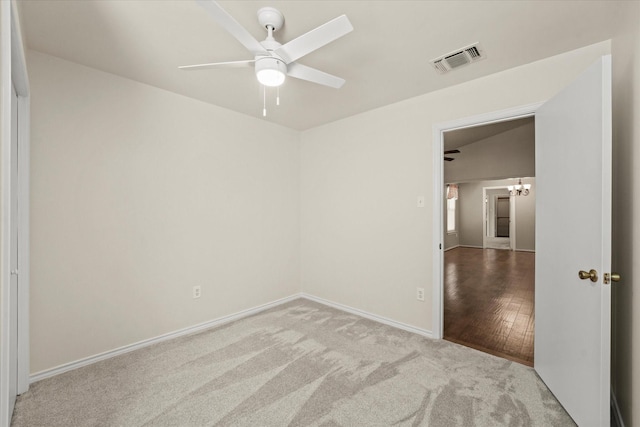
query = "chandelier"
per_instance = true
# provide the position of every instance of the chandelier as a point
(519, 189)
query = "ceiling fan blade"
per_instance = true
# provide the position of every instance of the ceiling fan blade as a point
(309, 74)
(229, 64)
(449, 159)
(451, 151)
(227, 22)
(314, 39)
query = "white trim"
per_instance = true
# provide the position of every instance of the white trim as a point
(487, 241)
(513, 207)
(438, 229)
(24, 165)
(5, 208)
(38, 376)
(19, 74)
(370, 316)
(605, 302)
(480, 247)
(145, 343)
(616, 410)
(505, 115)
(20, 80)
(438, 184)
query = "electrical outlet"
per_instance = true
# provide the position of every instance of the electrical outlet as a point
(420, 294)
(196, 292)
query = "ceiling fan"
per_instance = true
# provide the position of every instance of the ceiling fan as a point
(450, 159)
(273, 61)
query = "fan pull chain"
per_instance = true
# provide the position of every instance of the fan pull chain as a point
(264, 101)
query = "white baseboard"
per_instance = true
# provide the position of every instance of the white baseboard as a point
(145, 343)
(370, 316)
(616, 410)
(452, 247)
(38, 376)
(480, 247)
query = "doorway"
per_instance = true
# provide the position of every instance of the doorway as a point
(578, 119)
(488, 275)
(498, 220)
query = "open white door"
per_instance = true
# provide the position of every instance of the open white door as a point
(13, 290)
(573, 233)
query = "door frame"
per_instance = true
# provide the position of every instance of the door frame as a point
(13, 71)
(21, 82)
(514, 113)
(512, 217)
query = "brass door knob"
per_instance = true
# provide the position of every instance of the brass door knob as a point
(615, 277)
(592, 275)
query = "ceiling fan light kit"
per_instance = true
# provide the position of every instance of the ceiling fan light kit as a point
(270, 71)
(274, 61)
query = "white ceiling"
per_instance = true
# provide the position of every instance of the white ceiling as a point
(384, 60)
(461, 137)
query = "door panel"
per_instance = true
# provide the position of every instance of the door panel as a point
(503, 216)
(573, 232)
(496, 229)
(13, 289)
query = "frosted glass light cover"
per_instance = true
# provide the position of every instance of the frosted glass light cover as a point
(270, 77)
(271, 71)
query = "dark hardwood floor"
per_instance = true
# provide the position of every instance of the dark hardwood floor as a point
(488, 301)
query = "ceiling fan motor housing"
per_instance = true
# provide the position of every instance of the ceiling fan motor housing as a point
(270, 17)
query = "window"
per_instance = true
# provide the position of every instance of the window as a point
(452, 196)
(451, 215)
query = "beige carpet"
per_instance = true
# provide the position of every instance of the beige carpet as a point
(299, 364)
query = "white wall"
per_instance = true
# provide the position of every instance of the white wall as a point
(364, 242)
(505, 155)
(526, 219)
(470, 213)
(138, 195)
(626, 214)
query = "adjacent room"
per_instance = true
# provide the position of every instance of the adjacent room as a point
(490, 238)
(243, 213)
